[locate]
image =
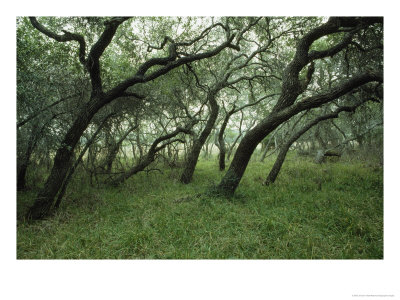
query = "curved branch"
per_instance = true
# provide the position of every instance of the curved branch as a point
(249, 58)
(150, 156)
(105, 39)
(202, 35)
(92, 63)
(336, 92)
(186, 130)
(253, 103)
(253, 22)
(166, 39)
(140, 76)
(333, 50)
(162, 61)
(66, 37)
(198, 84)
(168, 143)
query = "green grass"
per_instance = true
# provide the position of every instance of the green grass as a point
(295, 218)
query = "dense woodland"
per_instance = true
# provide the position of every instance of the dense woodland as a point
(254, 121)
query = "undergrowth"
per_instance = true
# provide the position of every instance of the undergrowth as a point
(328, 211)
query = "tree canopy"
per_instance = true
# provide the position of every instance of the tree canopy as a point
(119, 95)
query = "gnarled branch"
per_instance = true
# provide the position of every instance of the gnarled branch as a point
(168, 63)
(66, 37)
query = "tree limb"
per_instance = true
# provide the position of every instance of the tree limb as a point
(66, 37)
(312, 55)
(93, 63)
(168, 64)
(150, 156)
(334, 93)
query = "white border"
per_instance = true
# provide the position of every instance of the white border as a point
(198, 279)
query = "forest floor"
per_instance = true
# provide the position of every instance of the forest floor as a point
(328, 211)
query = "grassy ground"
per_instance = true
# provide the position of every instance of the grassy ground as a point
(331, 211)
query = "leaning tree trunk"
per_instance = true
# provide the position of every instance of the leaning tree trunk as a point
(221, 140)
(191, 161)
(285, 147)
(144, 162)
(91, 63)
(278, 163)
(193, 155)
(253, 137)
(62, 161)
(222, 153)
